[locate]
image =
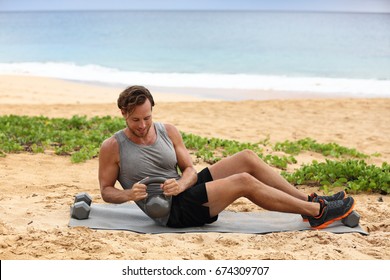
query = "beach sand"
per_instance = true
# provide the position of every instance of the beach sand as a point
(36, 190)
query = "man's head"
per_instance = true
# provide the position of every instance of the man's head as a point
(133, 96)
(136, 105)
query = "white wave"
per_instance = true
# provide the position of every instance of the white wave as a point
(96, 73)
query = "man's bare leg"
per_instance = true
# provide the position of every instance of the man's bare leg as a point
(223, 192)
(248, 162)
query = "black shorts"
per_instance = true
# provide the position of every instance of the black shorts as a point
(187, 209)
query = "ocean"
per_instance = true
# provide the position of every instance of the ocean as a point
(345, 54)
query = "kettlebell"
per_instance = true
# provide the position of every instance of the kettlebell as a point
(157, 205)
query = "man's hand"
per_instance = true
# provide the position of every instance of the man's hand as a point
(171, 187)
(139, 192)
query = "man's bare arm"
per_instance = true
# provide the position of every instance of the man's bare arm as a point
(108, 174)
(189, 174)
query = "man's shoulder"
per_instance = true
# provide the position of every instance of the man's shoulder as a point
(109, 150)
(170, 128)
(110, 143)
(172, 132)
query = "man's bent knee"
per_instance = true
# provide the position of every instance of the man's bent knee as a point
(251, 158)
(248, 153)
(244, 182)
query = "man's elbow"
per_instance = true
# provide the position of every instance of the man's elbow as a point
(105, 198)
(105, 194)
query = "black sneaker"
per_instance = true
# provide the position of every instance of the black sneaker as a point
(337, 196)
(331, 211)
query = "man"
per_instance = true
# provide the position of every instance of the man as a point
(148, 149)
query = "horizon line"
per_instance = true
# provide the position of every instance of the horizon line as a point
(196, 10)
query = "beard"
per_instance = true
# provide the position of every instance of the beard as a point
(139, 133)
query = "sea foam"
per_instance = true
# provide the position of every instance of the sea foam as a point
(100, 74)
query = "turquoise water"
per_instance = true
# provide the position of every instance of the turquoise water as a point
(319, 52)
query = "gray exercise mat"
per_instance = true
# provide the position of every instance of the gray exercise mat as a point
(129, 217)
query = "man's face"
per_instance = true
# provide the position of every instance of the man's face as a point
(140, 120)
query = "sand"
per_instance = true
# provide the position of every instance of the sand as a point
(36, 190)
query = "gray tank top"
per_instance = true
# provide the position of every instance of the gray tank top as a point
(140, 161)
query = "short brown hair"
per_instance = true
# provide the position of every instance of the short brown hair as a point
(132, 97)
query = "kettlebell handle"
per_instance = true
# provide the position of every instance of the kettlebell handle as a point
(153, 180)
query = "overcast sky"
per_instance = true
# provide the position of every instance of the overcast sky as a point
(286, 5)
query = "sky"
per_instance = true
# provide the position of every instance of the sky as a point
(278, 5)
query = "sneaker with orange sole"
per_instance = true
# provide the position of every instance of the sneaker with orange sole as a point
(337, 196)
(331, 211)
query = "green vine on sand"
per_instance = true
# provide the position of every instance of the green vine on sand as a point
(80, 138)
(77, 137)
(352, 175)
(308, 144)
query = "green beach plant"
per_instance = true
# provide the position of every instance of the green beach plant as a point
(308, 144)
(353, 175)
(80, 138)
(214, 149)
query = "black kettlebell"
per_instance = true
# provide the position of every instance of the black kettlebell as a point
(156, 205)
